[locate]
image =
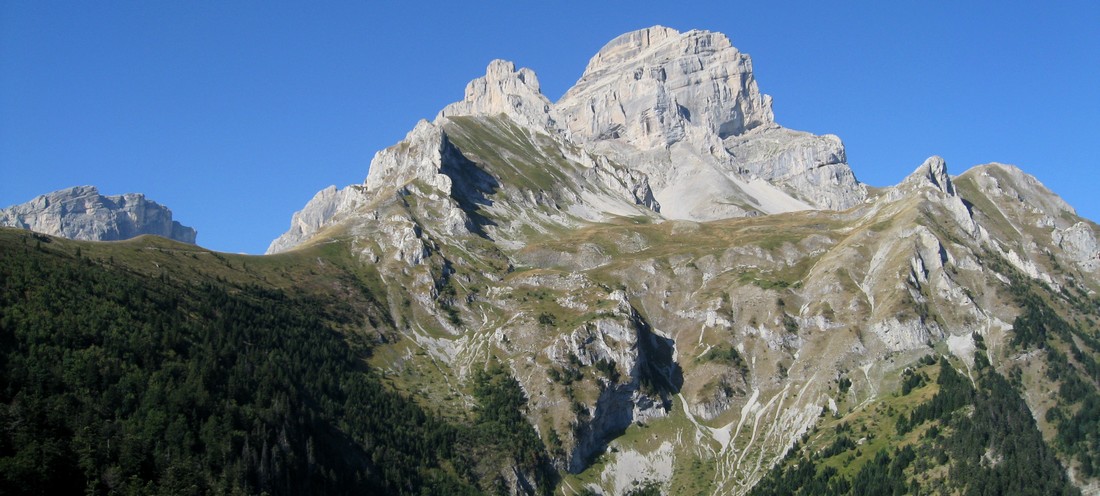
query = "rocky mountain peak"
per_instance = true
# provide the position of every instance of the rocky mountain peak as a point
(80, 212)
(647, 87)
(685, 109)
(931, 181)
(659, 117)
(505, 90)
(415, 157)
(933, 172)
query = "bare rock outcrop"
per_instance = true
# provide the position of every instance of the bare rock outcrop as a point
(931, 178)
(505, 90)
(1079, 243)
(685, 109)
(649, 86)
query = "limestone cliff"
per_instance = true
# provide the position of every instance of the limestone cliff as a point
(685, 109)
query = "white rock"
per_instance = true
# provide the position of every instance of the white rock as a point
(505, 90)
(663, 102)
(901, 336)
(418, 156)
(647, 86)
(814, 168)
(931, 174)
(1078, 242)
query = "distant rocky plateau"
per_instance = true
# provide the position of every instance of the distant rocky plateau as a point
(82, 213)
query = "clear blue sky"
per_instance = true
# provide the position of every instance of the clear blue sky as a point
(234, 114)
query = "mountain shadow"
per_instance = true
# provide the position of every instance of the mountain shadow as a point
(471, 187)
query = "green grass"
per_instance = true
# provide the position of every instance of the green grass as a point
(874, 425)
(515, 157)
(968, 188)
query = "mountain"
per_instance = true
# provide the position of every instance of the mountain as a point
(679, 283)
(82, 213)
(660, 122)
(647, 287)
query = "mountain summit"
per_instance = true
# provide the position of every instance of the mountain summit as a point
(652, 87)
(686, 110)
(670, 121)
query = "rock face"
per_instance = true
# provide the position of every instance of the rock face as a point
(82, 213)
(931, 174)
(650, 87)
(505, 90)
(685, 109)
(1079, 243)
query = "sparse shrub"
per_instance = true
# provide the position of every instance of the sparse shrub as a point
(547, 319)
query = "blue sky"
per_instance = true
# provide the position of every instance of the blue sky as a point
(234, 114)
